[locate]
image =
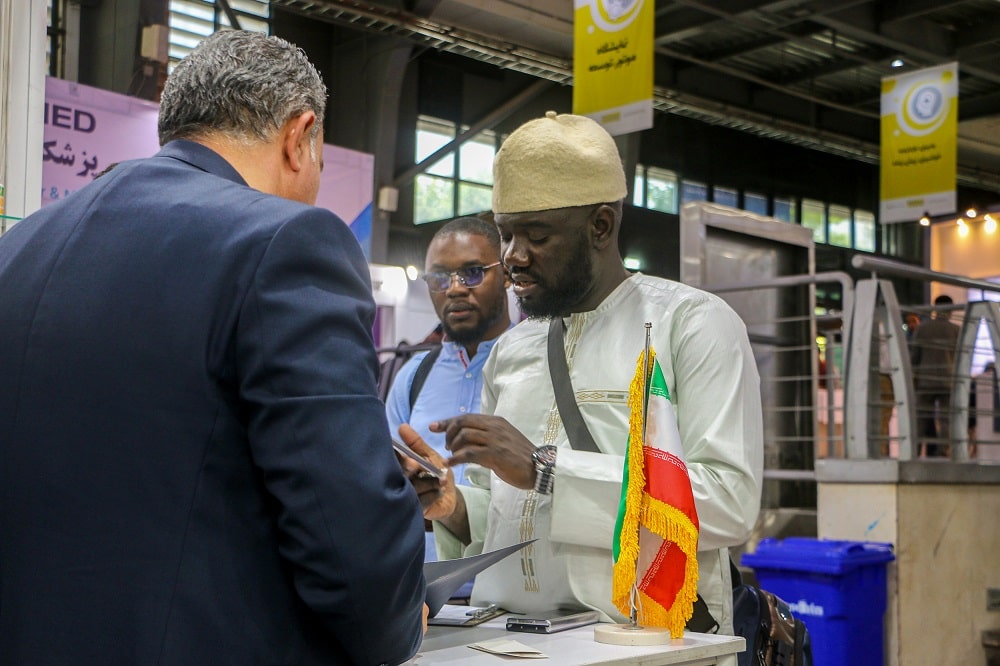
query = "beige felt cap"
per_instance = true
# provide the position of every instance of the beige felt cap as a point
(557, 161)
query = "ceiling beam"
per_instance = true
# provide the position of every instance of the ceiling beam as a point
(685, 21)
(909, 43)
(904, 10)
(835, 66)
(979, 106)
(984, 33)
(765, 83)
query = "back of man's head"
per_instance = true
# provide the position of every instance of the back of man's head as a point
(241, 85)
(943, 299)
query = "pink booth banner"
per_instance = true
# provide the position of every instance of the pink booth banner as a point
(88, 129)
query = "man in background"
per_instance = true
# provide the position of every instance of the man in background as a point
(468, 288)
(933, 360)
(187, 381)
(911, 322)
(558, 192)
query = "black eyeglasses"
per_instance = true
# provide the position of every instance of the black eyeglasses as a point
(470, 276)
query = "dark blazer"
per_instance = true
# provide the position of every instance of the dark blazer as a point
(195, 468)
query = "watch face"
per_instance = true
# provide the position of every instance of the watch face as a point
(545, 455)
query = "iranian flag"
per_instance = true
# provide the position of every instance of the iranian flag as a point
(656, 535)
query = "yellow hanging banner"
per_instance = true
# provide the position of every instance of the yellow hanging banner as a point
(919, 137)
(613, 63)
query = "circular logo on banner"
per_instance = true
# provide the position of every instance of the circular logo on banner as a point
(923, 109)
(613, 15)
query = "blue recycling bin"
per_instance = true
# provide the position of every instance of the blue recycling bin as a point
(837, 588)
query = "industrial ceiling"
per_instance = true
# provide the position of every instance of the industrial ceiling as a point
(803, 71)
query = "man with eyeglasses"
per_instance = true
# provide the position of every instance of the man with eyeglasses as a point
(468, 287)
(558, 196)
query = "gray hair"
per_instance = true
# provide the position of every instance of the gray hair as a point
(243, 85)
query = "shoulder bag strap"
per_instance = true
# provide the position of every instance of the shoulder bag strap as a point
(579, 436)
(420, 376)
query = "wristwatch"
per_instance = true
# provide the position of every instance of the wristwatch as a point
(545, 468)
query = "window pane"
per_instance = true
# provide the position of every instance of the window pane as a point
(693, 191)
(661, 190)
(755, 203)
(474, 198)
(432, 135)
(638, 187)
(864, 230)
(814, 217)
(839, 219)
(433, 199)
(784, 209)
(191, 21)
(476, 159)
(726, 196)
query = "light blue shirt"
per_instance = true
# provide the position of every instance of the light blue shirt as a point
(453, 387)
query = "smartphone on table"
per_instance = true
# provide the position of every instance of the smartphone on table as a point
(552, 621)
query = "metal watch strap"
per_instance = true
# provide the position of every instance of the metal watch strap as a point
(544, 469)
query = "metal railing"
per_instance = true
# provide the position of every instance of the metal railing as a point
(947, 411)
(801, 416)
(870, 403)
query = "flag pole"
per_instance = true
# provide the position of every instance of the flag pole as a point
(633, 618)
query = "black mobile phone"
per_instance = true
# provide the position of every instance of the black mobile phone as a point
(552, 622)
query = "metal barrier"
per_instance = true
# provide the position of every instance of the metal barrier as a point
(960, 421)
(801, 413)
(874, 404)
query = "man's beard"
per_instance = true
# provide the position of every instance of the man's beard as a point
(475, 334)
(569, 288)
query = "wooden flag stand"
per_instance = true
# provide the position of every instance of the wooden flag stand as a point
(628, 634)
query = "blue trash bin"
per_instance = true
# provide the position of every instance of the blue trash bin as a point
(837, 588)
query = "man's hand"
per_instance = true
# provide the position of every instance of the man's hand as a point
(492, 442)
(426, 613)
(437, 496)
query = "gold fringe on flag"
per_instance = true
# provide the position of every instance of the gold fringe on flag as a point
(667, 522)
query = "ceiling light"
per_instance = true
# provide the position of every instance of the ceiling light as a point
(898, 62)
(632, 263)
(412, 273)
(990, 225)
(971, 212)
(925, 221)
(963, 228)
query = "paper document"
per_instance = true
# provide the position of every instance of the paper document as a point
(508, 648)
(446, 576)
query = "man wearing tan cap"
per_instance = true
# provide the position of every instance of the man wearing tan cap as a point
(558, 192)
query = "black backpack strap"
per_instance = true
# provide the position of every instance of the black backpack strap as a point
(576, 429)
(420, 376)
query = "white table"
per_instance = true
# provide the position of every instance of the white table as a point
(574, 647)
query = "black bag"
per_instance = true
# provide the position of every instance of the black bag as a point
(774, 636)
(400, 355)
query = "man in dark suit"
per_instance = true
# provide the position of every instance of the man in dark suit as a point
(194, 465)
